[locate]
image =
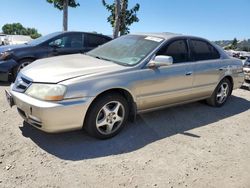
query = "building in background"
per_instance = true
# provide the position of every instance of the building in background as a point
(17, 39)
(2, 39)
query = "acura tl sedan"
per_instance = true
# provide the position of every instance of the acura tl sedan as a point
(100, 90)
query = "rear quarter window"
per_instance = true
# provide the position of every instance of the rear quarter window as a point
(202, 50)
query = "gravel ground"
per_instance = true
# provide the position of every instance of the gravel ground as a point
(192, 145)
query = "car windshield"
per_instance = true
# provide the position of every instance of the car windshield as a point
(128, 50)
(42, 39)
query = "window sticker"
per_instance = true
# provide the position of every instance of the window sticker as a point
(156, 39)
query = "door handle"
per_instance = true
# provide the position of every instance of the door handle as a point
(220, 69)
(189, 73)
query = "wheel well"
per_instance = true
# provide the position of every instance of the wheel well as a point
(21, 60)
(231, 81)
(125, 94)
(26, 58)
(13, 70)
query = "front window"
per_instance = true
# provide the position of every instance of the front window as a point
(42, 39)
(128, 50)
(178, 50)
(68, 41)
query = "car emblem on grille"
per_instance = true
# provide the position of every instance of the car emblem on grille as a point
(21, 84)
(19, 81)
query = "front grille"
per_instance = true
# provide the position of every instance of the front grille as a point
(21, 84)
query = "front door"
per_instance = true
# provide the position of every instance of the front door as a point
(167, 85)
(70, 43)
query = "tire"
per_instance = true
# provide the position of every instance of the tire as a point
(23, 63)
(106, 116)
(221, 93)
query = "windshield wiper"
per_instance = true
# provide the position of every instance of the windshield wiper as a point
(98, 57)
(105, 59)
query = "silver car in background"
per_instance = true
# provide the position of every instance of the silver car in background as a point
(101, 90)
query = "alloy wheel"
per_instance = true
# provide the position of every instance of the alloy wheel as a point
(24, 64)
(110, 117)
(222, 93)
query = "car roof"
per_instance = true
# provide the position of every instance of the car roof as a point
(165, 35)
(168, 35)
(61, 32)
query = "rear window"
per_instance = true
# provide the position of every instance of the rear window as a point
(95, 40)
(202, 50)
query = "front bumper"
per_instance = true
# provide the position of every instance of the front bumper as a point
(6, 68)
(52, 117)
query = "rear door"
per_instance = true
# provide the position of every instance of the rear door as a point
(207, 69)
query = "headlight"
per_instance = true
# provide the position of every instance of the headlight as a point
(47, 92)
(4, 55)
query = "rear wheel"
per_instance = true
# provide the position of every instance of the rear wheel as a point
(221, 93)
(107, 116)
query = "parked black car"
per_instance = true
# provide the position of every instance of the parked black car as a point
(14, 58)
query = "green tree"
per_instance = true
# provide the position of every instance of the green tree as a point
(234, 44)
(120, 16)
(63, 5)
(19, 29)
(13, 29)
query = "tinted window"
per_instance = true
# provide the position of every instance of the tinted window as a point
(43, 38)
(94, 41)
(68, 41)
(203, 50)
(177, 49)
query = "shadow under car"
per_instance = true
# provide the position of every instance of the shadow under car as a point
(146, 129)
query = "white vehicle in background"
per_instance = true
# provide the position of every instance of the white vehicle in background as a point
(17, 39)
(244, 54)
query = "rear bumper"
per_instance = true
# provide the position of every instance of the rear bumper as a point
(6, 69)
(238, 80)
(52, 117)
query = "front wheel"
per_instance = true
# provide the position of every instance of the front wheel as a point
(107, 116)
(22, 64)
(221, 93)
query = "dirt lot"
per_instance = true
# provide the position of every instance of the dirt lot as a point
(187, 146)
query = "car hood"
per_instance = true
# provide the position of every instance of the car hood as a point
(57, 69)
(13, 47)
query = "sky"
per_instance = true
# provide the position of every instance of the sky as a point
(211, 19)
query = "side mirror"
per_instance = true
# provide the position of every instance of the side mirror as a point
(160, 61)
(53, 45)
